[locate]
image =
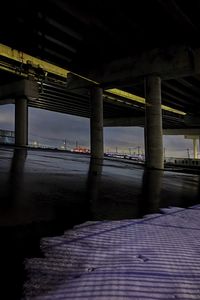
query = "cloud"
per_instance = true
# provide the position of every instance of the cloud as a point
(57, 124)
(7, 117)
(124, 137)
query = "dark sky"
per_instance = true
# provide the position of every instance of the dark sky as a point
(52, 128)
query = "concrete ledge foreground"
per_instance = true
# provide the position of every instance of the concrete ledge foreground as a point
(156, 257)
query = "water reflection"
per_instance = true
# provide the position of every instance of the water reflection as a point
(110, 202)
(17, 174)
(18, 161)
(13, 239)
(13, 189)
(151, 192)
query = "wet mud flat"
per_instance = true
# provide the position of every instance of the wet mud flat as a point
(45, 193)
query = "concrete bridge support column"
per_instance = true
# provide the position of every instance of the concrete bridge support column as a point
(96, 123)
(199, 144)
(21, 121)
(195, 149)
(153, 123)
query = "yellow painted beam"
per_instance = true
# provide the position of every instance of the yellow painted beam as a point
(176, 111)
(48, 67)
(133, 97)
(28, 59)
(126, 95)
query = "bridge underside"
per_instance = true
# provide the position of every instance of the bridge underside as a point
(144, 57)
(118, 111)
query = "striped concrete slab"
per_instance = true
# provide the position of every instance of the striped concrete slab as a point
(157, 257)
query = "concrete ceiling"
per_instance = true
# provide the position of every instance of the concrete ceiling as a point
(116, 43)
